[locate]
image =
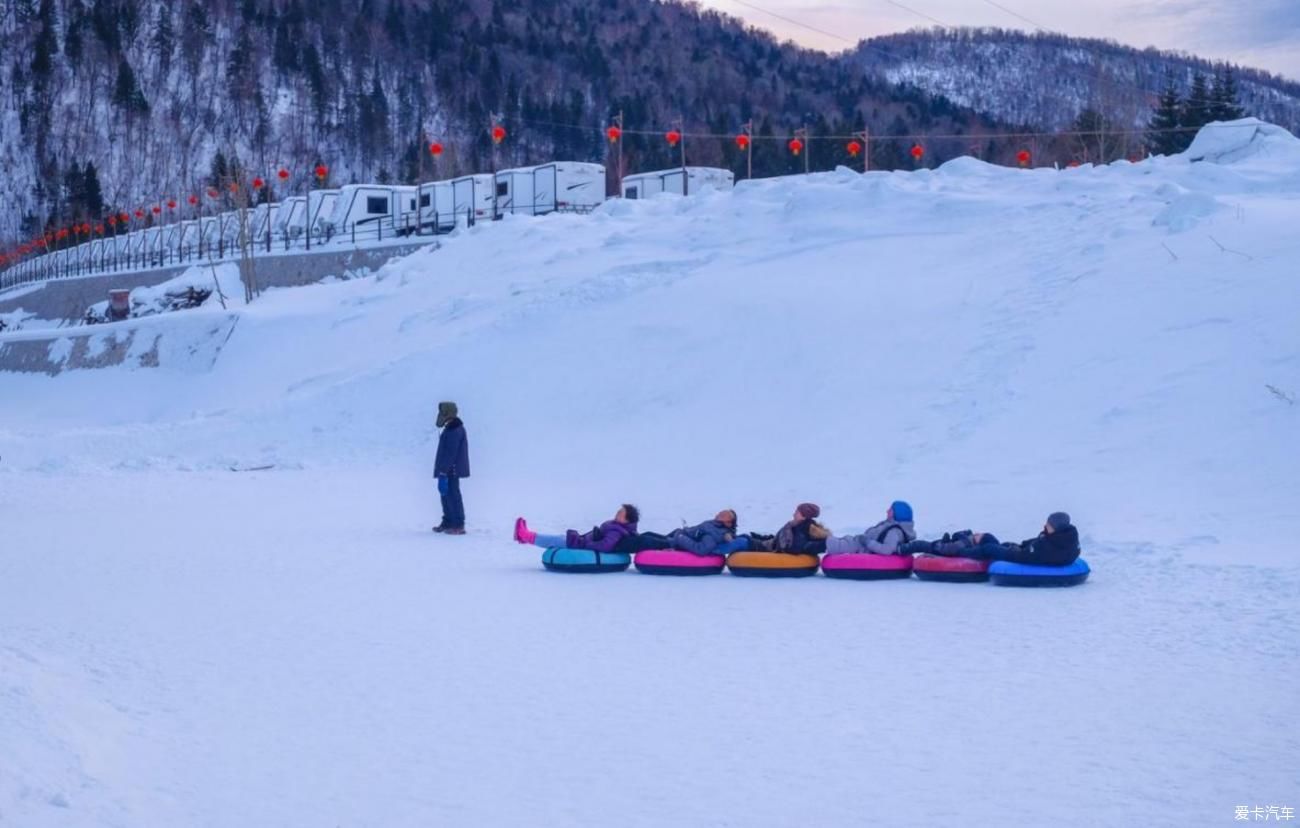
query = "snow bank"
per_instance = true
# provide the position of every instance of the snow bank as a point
(294, 647)
(1227, 142)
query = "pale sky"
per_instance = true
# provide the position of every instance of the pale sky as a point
(1261, 33)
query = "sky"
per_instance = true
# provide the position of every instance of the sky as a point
(1264, 34)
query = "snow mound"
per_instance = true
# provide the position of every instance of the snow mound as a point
(1227, 142)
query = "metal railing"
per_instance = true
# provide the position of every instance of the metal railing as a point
(115, 255)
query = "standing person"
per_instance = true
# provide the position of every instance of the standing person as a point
(450, 466)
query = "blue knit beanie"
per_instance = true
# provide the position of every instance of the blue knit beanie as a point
(1058, 520)
(902, 511)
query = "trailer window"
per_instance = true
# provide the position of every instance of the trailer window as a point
(631, 192)
(503, 189)
(426, 200)
(376, 205)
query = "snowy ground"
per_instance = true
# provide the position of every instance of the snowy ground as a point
(184, 645)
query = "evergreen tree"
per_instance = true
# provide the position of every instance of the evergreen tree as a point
(1162, 139)
(126, 92)
(164, 38)
(91, 193)
(1198, 108)
(47, 44)
(1224, 101)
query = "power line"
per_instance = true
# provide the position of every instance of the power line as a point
(918, 13)
(1015, 14)
(794, 22)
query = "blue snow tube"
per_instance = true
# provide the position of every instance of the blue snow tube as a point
(584, 560)
(1005, 573)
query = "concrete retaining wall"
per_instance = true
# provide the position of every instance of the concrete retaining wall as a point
(67, 299)
(168, 340)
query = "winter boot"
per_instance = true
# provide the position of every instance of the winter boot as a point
(454, 530)
(522, 533)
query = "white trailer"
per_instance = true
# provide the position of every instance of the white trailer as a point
(320, 207)
(262, 221)
(473, 197)
(406, 212)
(694, 180)
(437, 206)
(361, 206)
(563, 185)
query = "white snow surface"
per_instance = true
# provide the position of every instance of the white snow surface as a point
(184, 645)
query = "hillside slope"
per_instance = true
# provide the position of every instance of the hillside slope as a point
(1046, 79)
(187, 645)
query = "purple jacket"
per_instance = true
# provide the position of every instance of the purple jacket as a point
(603, 538)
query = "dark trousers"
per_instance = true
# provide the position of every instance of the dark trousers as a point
(453, 508)
(642, 542)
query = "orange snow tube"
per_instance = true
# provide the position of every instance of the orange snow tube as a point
(772, 564)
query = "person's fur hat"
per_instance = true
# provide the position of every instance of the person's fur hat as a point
(447, 412)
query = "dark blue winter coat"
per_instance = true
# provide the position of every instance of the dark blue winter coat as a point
(703, 539)
(453, 451)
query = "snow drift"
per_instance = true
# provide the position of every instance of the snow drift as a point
(991, 344)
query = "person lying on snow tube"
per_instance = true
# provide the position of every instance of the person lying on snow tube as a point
(701, 539)
(801, 535)
(961, 544)
(885, 538)
(1057, 545)
(602, 538)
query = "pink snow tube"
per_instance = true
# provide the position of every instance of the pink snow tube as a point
(866, 567)
(952, 570)
(673, 562)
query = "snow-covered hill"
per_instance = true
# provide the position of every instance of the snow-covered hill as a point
(1046, 79)
(184, 645)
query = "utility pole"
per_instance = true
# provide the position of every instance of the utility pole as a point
(497, 132)
(618, 122)
(679, 124)
(802, 135)
(865, 135)
(748, 131)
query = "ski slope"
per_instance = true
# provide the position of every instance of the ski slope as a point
(184, 645)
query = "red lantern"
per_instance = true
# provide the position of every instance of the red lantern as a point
(85, 228)
(1073, 164)
(673, 137)
(498, 134)
(157, 211)
(918, 152)
(258, 183)
(213, 194)
(171, 204)
(99, 229)
(854, 148)
(193, 200)
(284, 175)
(613, 134)
(124, 217)
(796, 146)
(322, 171)
(435, 149)
(1023, 157)
(742, 141)
(234, 186)
(62, 234)
(112, 221)
(139, 214)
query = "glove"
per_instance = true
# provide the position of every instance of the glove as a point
(443, 485)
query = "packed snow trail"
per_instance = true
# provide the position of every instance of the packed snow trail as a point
(183, 645)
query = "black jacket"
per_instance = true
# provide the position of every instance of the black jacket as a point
(1061, 548)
